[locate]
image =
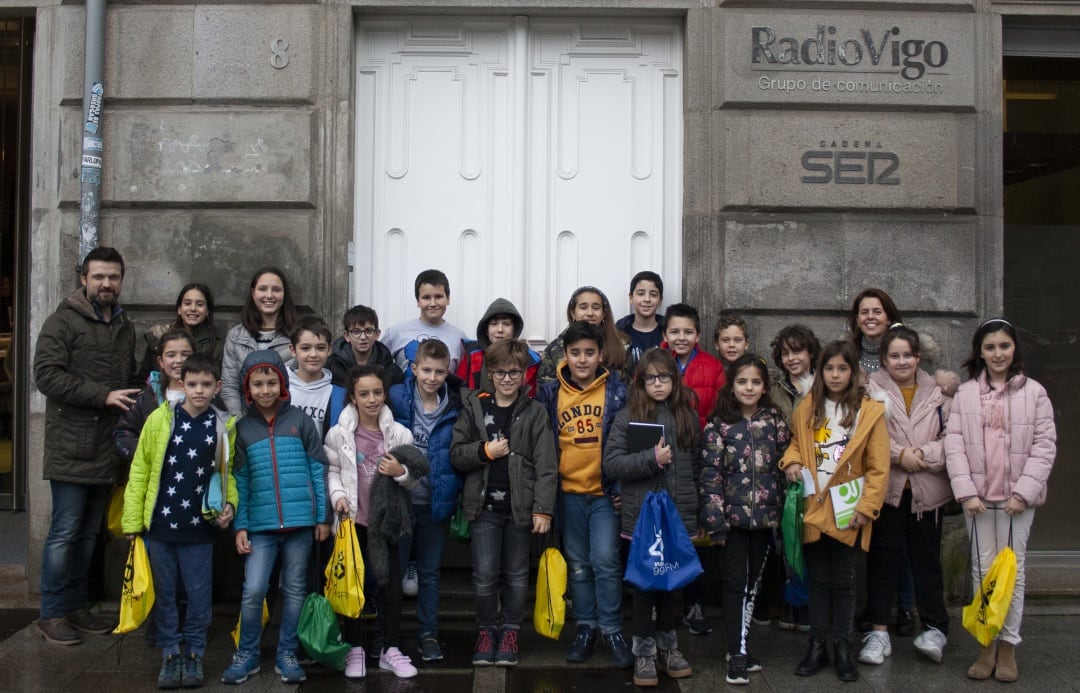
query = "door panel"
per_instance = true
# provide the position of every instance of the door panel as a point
(522, 158)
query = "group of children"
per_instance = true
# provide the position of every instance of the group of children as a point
(397, 433)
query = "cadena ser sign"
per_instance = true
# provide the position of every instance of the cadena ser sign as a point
(873, 58)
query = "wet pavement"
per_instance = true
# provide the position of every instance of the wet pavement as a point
(1049, 661)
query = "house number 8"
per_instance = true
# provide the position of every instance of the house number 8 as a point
(279, 55)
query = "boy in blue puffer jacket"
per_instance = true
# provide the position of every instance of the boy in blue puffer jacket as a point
(427, 404)
(282, 494)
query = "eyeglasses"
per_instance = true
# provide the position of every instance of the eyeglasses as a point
(358, 332)
(507, 375)
(664, 378)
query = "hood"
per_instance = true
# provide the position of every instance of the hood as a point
(295, 383)
(499, 306)
(567, 383)
(266, 358)
(82, 305)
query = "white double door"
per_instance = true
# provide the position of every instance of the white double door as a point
(524, 157)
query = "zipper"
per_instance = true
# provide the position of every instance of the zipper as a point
(274, 465)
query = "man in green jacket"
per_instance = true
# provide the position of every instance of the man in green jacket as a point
(84, 364)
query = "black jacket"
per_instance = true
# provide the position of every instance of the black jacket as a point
(78, 360)
(341, 362)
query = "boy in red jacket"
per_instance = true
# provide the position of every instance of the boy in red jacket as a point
(701, 371)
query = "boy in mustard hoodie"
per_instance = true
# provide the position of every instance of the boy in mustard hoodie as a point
(582, 402)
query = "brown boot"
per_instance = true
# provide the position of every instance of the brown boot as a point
(984, 665)
(1006, 663)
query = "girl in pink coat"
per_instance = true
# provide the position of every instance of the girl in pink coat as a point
(1000, 445)
(916, 409)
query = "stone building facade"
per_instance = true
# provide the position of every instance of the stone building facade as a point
(801, 151)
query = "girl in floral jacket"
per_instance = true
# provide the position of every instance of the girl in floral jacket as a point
(742, 496)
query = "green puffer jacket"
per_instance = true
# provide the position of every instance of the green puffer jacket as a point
(534, 471)
(144, 480)
(78, 360)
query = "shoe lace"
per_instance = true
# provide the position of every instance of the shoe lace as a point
(696, 613)
(874, 639)
(582, 637)
(509, 641)
(410, 573)
(483, 641)
(290, 662)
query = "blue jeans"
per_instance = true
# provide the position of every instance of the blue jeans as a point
(77, 512)
(591, 544)
(499, 549)
(294, 547)
(426, 544)
(192, 566)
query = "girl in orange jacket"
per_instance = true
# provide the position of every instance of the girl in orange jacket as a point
(838, 435)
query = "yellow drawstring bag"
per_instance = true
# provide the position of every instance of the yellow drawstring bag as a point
(549, 614)
(345, 573)
(236, 630)
(985, 615)
(137, 596)
(116, 511)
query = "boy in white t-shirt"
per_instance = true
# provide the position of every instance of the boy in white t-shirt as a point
(432, 290)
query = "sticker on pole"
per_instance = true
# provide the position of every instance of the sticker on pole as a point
(92, 144)
(91, 161)
(93, 113)
(90, 175)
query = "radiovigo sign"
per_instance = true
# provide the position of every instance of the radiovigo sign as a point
(873, 58)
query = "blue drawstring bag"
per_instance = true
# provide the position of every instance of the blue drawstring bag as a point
(662, 557)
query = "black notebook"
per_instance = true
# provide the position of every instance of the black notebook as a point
(643, 436)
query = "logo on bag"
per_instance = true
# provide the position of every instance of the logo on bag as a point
(660, 566)
(339, 565)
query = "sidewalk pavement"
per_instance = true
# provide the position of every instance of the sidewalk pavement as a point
(1049, 661)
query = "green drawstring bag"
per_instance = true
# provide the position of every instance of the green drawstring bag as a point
(319, 632)
(791, 525)
(459, 525)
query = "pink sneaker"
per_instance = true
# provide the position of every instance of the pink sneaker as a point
(355, 664)
(393, 660)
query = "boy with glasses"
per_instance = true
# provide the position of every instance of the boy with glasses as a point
(359, 345)
(504, 445)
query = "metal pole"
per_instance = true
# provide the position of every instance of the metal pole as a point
(93, 94)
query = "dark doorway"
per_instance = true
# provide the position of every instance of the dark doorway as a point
(1042, 257)
(16, 54)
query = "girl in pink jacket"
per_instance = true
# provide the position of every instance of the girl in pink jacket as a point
(1000, 445)
(916, 409)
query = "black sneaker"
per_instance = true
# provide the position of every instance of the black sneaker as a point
(582, 648)
(89, 623)
(507, 656)
(169, 677)
(752, 665)
(484, 652)
(905, 623)
(620, 651)
(430, 651)
(696, 622)
(736, 670)
(192, 672)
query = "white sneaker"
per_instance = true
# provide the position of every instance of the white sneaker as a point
(876, 647)
(355, 664)
(931, 642)
(393, 660)
(409, 584)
